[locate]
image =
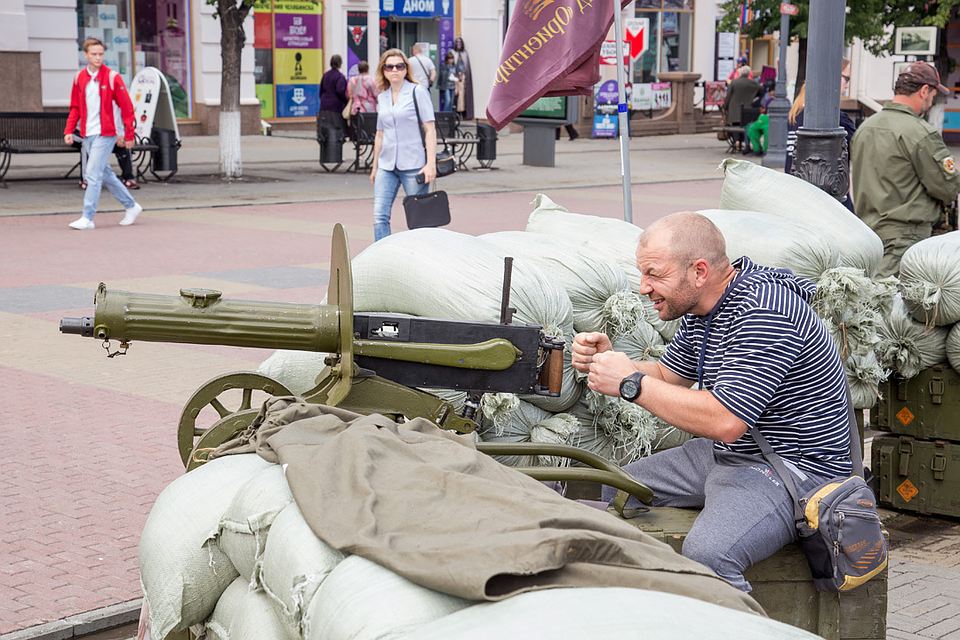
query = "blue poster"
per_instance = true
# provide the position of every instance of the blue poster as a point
(446, 38)
(417, 8)
(605, 118)
(297, 100)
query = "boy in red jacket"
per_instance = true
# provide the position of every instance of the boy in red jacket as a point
(95, 90)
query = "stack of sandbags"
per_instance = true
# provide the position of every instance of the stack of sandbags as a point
(507, 418)
(442, 274)
(907, 346)
(750, 187)
(601, 295)
(953, 347)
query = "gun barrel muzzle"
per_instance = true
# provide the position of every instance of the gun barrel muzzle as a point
(77, 326)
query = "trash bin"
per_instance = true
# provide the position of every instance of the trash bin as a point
(331, 145)
(165, 157)
(486, 144)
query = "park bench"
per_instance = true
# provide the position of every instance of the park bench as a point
(42, 132)
(363, 133)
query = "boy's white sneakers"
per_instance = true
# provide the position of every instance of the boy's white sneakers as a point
(130, 215)
(82, 224)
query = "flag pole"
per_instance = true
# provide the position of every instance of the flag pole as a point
(624, 122)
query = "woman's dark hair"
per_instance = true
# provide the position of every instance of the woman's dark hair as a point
(336, 61)
(770, 85)
(449, 55)
(363, 67)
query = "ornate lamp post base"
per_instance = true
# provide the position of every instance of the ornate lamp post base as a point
(822, 160)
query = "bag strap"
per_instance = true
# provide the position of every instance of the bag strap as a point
(856, 456)
(423, 136)
(422, 68)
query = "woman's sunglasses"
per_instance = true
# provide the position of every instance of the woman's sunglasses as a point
(400, 66)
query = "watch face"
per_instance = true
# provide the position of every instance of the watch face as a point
(629, 389)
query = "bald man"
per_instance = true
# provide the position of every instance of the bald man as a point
(762, 358)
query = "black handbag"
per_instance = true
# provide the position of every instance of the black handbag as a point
(446, 164)
(427, 210)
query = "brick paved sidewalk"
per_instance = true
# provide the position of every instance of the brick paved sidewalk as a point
(91, 442)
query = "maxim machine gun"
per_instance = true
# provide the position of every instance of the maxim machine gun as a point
(377, 362)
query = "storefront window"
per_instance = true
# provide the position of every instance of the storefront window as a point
(108, 21)
(670, 38)
(161, 41)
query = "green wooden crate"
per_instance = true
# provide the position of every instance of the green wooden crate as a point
(922, 476)
(783, 586)
(925, 406)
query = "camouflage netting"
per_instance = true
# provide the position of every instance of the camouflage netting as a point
(442, 274)
(930, 279)
(509, 419)
(953, 347)
(599, 291)
(749, 187)
(907, 346)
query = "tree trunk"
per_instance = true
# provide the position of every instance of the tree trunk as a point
(231, 44)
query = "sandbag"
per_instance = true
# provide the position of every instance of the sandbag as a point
(182, 573)
(243, 529)
(599, 291)
(217, 626)
(509, 419)
(257, 618)
(361, 600)
(852, 306)
(953, 347)
(294, 564)
(907, 346)
(613, 239)
(615, 429)
(643, 342)
(296, 370)
(749, 187)
(864, 375)
(613, 612)
(442, 274)
(930, 279)
(775, 242)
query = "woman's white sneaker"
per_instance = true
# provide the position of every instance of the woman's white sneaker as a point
(82, 224)
(131, 215)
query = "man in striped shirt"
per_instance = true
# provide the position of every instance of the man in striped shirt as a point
(762, 358)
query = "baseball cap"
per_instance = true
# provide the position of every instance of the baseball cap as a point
(924, 73)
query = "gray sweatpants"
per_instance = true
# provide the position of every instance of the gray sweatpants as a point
(747, 513)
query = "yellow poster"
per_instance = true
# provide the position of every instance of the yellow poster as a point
(297, 66)
(298, 6)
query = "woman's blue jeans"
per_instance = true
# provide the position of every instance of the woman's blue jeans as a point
(447, 100)
(385, 187)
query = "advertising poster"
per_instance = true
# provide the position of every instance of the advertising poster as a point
(605, 120)
(446, 38)
(356, 41)
(297, 57)
(651, 96)
(263, 56)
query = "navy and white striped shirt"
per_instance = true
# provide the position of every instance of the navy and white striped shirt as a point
(770, 361)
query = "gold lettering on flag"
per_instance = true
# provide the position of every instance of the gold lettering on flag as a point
(555, 26)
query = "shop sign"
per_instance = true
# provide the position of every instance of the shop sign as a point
(608, 52)
(356, 40)
(297, 6)
(649, 96)
(297, 66)
(297, 31)
(297, 100)
(417, 8)
(152, 103)
(635, 34)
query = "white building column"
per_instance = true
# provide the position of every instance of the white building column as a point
(481, 25)
(13, 25)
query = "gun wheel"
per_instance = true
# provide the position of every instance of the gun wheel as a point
(212, 406)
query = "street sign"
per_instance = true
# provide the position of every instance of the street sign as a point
(635, 34)
(789, 9)
(608, 52)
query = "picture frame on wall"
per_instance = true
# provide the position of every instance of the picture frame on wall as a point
(897, 68)
(916, 41)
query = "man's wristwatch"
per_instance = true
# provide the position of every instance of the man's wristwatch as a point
(630, 386)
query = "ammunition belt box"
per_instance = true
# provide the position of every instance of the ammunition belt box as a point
(783, 586)
(922, 476)
(925, 406)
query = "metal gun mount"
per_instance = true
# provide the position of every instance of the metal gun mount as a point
(376, 361)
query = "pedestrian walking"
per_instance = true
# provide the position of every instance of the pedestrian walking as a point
(362, 90)
(401, 153)
(96, 89)
(903, 173)
(422, 67)
(333, 92)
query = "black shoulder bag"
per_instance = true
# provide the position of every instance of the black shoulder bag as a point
(445, 161)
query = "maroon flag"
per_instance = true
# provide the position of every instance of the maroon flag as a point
(552, 48)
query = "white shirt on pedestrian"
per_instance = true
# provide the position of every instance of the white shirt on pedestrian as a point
(402, 145)
(422, 67)
(92, 96)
